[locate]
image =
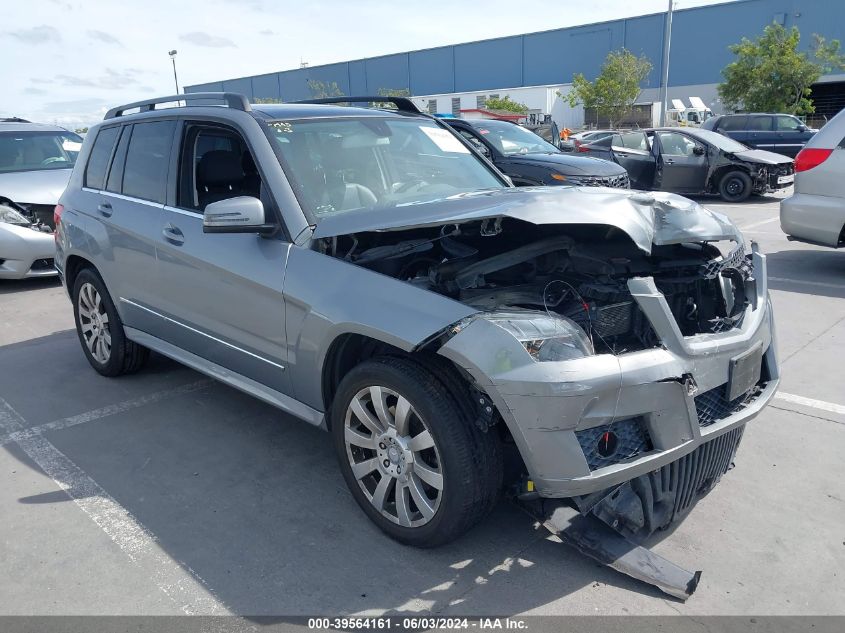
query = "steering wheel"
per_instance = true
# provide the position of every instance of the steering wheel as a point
(406, 186)
(53, 159)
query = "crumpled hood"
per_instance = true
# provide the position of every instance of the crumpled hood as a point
(34, 187)
(762, 156)
(570, 165)
(649, 218)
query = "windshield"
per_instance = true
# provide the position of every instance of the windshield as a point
(340, 164)
(512, 139)
(724, 143)
(34, 151)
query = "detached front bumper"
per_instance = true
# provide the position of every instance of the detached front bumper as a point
(675, 395)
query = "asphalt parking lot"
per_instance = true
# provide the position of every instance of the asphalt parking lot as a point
(168, 493)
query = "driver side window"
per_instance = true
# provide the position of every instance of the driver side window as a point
(215, 165)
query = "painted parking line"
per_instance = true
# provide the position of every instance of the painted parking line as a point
(811, 402)
(97, 414)
(820, 284)
(756, 224)
(179, 583)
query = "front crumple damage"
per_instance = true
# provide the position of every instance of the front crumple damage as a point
(547, 405)
(648, 219)
(764, 168)
(667, 293)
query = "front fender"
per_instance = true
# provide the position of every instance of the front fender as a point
(326, 297)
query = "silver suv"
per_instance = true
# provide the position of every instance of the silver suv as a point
(365, 270)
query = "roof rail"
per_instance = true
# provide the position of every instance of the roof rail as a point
(403, 104)
(14, 119)
(230, 99)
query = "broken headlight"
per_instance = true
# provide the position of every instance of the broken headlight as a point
(544, 336)
(9, 216)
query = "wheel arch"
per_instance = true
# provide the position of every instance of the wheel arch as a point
(721, 171)
(74, 264)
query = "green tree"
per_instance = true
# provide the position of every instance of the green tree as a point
(390, 92)
(393, 92)
(267, 100)
(771, 75)
(505, 103)
(613, 92)
(323, 89)
(81, 130)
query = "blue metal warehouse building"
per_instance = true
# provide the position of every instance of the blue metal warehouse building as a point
(699, 51)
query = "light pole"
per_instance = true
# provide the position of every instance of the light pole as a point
(173, 59)
(664, 80)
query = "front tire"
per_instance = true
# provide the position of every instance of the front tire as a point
(417, 466)
(100, 329)
(735, 186)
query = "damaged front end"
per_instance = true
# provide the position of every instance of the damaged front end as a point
(625, 355)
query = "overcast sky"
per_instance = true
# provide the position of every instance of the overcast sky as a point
(67, 61)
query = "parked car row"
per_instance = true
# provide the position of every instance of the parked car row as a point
(727, 157)
(35, 164)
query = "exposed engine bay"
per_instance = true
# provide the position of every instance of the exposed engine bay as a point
(579, 272)
(13, 213)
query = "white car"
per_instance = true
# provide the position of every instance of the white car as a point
(35, 164)
(815, 213)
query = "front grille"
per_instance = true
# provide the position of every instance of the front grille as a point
(713, 405)
(43, 264)
(630, 438)
(614, 319)
(653, 501)
(619, 181)
(737, 258)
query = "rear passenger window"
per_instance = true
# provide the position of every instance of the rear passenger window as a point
(147, 160)
(115, 180)
(98, 161)
(733, 123)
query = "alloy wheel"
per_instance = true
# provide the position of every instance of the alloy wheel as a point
(393, 456)
(94, 323)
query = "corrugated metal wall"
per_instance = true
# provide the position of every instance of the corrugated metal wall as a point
(700, 40)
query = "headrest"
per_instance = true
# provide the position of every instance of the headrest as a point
(219, 167)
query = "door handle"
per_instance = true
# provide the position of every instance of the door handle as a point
(173, 234)
(669, 161)
(105, 209)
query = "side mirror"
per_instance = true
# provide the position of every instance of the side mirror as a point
(802, 128)
(243, 214)
(698, 150)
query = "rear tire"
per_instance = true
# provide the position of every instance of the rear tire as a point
(735, 186)
(100, 329)
(419, 468)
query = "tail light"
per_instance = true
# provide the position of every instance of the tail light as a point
(810, 157)
(582, 148)
(57, 219)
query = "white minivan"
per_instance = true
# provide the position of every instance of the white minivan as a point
(815, 212)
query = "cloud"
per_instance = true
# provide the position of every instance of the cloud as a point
(104, 37)
(267, 32)
(37, 35)
(201, 38)
(75, 106)
(40, 80)
(111, 79)
(34, 91)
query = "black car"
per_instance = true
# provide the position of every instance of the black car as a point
(781, 133)
(694, 161)
(529, 160)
